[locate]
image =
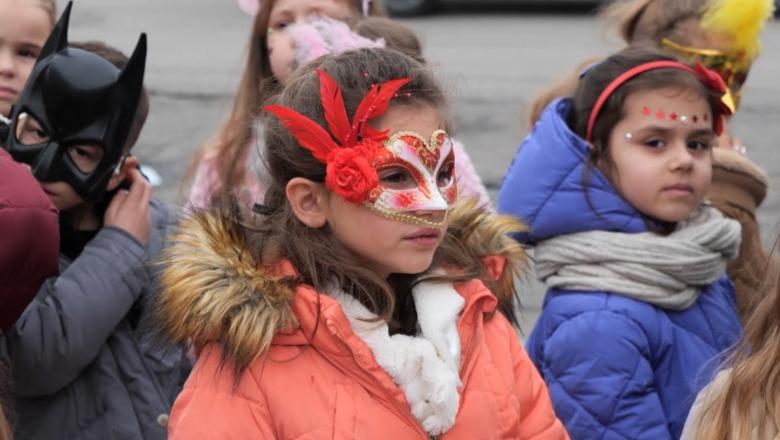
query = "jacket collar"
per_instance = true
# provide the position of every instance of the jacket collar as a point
(544, 185)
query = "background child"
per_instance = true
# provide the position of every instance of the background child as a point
(611, 183)
(224, 162)
(24, 26)
(724, 35)
(85, 361)
(315, 333)
(741, 402)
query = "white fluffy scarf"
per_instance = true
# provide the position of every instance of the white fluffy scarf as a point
(425, 367)
(666, 271)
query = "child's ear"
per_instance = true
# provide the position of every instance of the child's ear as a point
(117, 178)
(308, 201)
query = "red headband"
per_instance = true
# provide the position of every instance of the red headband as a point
(709, 78)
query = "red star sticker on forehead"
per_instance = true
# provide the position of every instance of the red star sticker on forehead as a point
(673, 116)
(646, 111)
(660, 115)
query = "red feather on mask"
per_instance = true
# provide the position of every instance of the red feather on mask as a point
(374, 104)
(333, 108)
(308, 133)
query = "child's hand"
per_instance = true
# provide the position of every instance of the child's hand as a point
(129, 209)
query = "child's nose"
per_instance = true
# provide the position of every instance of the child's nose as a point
(683, 158)
(7, 64)
(435, 216)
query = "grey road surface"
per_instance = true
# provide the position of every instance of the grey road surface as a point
(492, 63)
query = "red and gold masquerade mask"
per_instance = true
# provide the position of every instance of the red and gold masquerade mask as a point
(355, 154)
(710, 79)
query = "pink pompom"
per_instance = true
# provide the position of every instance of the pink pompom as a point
(249, 6)
(322, 35)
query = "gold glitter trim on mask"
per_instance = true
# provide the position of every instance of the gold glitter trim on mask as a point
(406, 218)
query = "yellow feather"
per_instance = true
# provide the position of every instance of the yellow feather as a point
(741, 20)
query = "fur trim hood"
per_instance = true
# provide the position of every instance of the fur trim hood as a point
(214, 291)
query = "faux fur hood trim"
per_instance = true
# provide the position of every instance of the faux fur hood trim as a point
(214, 291)
(487, 237)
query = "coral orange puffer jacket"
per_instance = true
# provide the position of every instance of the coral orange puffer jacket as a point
(330, 386)
(315, 377)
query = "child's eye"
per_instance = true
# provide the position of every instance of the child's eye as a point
(29, 131)
(396, 178)
(27, 53)
(446, 174)
(655, 143)
(699, 145)
(86, 158)
(280, 25)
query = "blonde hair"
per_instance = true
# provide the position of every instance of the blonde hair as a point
(257, 84)
(749, 397)
(564, 86)
(650, 21)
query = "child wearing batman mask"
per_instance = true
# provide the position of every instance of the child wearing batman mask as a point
(85, 361)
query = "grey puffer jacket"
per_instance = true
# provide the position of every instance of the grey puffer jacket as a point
(86, 362)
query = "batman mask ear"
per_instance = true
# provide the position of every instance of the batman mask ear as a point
(131, 79)
(58, 39)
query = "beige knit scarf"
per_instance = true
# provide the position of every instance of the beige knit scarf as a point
(666, 271)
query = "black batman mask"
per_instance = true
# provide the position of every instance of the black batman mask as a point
(74, 98)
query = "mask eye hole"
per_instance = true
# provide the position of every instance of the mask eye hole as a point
(446, 174)
(85, 157)
(29, 131)
(397, 178)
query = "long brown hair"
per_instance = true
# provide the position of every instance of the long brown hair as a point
(750, 395)
(257, 84)
(317, 255)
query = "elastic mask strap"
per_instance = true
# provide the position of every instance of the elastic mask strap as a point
(118, 166)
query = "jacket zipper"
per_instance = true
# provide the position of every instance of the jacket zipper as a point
(407, 415)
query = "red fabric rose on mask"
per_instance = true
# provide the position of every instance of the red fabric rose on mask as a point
(349, 173)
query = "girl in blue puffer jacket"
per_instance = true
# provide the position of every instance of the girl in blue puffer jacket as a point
(612, 185)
